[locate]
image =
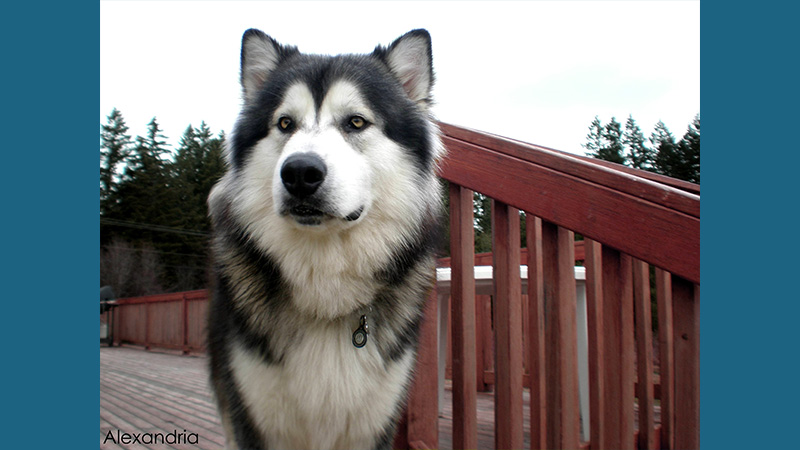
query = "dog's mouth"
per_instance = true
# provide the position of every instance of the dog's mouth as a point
(306, 214)
(305, 211)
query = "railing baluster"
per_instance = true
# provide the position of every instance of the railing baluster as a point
(558, 249)
(644, 344)
(597, 357)
(686, 315)
(421, 423)
(184, 324)
(508, 327)
(619, 348)
(147, 326)
(536, 333)
(666, 356)
(462, 297)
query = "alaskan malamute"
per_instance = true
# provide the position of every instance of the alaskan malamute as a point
(324, 237)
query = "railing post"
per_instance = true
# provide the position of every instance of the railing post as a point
(422, 412)
(536, 333)
(563, 426)
(508, 327)
(147, 325)
(619, 350)
(595, 323)
(686, 317)
(116, 316)
(666, 354)
(644, 342)
(184, 324)
(462, 297)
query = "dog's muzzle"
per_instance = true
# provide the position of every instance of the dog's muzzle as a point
(302, 174)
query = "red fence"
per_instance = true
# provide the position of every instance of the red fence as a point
(484, 328)
(630, 219)
(173, 321)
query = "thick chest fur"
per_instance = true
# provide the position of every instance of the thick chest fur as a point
(325, 393)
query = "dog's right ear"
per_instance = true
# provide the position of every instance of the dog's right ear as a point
(260, 56)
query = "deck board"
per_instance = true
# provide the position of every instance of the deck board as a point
(153, 392)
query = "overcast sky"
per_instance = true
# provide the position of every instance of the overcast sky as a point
(534, 71)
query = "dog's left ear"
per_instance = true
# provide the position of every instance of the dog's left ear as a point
(411, 60)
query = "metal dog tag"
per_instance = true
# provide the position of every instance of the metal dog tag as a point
(360, 335)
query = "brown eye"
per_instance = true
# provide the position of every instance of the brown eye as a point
(285, 123)
(357, 122)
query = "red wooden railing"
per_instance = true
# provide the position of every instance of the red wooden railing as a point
(172, 321)
(630, 219)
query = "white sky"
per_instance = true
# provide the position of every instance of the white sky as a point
(534, 71)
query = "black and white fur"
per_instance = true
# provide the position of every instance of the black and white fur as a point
(328, 212)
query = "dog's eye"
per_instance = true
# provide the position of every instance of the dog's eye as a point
(285, 123)
(357, 123)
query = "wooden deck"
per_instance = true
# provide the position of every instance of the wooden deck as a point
(153, 392)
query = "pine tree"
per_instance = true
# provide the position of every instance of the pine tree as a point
(150, 152)
(143, 190)
(161, 213)
(594, 140)
(114, 149)
(667, 158)
(612, 150)
(689, 149)
(198, 165)
(605, 142)
(638, 155)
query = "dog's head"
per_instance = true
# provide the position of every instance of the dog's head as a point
(326, 141)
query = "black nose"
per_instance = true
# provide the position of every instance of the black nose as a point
(302, 174)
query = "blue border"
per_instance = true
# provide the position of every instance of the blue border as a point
(749, 308)
(50, 224)
(749, 298)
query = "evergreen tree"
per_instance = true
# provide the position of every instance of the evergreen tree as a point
(689, 149)
(159, 223)
(114, 149)
(638, 155)
(605, 142)
(594, 140)
(612, 136)
(198, 165)
(142, 191)
(667, 158)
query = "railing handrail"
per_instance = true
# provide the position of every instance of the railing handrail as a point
(485, 258)
(689, 187)
(626, 210)
(199, 294)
